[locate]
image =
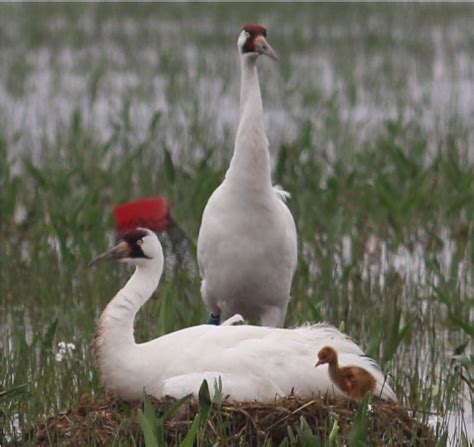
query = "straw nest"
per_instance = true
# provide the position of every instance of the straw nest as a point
(110, 421)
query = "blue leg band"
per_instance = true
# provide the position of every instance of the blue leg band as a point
(214, 320)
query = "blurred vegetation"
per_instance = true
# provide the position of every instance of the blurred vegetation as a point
(105, 103)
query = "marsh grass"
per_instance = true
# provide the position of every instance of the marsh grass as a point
(370, 136)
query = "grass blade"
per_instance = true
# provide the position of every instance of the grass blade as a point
(189, 439)
(358, 435)
(147, 429)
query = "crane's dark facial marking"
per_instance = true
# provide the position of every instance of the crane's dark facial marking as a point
(252, 31)
(134, 239)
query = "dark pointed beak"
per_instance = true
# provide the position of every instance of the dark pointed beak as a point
(263, 47)
(318, 364)
(120, 251)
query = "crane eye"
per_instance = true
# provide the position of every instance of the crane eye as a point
(247, 34)
(140, 242)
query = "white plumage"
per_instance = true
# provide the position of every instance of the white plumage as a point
(247, 247)
(253, 362)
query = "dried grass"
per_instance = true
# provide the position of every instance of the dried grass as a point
(110, 420)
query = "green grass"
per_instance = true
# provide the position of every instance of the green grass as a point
(371, 131)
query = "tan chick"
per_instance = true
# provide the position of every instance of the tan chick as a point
(354, 381)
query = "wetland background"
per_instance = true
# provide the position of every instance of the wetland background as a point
(370, 117)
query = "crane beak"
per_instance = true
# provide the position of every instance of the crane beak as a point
(120, 251)
(318, 364)
(263, 47)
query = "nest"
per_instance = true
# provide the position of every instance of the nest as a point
(110, 421)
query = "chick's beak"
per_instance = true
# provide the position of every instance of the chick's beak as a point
(263, 47)
(318, 364)
(120, 251)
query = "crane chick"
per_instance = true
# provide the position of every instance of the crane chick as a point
(354, 381)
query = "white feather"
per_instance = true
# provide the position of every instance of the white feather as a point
(281, 193)
(235, 319)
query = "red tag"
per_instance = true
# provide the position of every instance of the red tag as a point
(152, 213)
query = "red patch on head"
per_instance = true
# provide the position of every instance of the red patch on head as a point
(254, 29)
(132, 236)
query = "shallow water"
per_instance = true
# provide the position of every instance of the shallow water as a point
(366, 72)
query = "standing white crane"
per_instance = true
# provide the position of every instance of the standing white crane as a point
(247, 247)
(252, 362)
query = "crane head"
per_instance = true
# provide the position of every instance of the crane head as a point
(136, 245)
(326, 355)
(252, 39)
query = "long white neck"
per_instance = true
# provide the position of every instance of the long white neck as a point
(250, 163)
(114, 344)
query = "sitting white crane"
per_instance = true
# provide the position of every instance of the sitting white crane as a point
(252, 362)
(247, 247)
